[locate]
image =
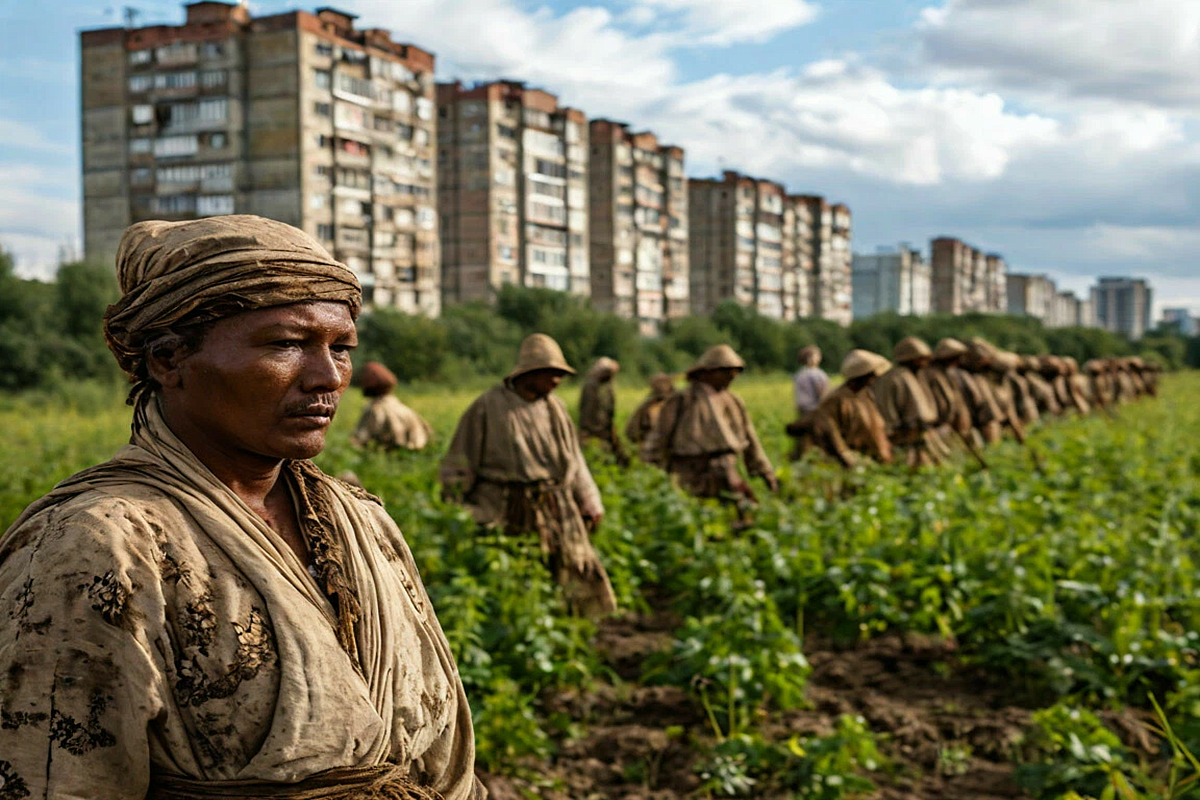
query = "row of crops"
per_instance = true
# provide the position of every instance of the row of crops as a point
(1066, 574)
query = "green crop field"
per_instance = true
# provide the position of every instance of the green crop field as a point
(949, 634)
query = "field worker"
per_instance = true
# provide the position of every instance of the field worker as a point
(386, 422)
(208, 614)
(1135, 368)
(847, 423)
(515, 463)
(907, 407)
(598, 407)
(1077, 385)
(1022, 395)
(945, 382)
(1039, 388)
(1150, 371)
(704, 430)
(982, 358)
(1103, 390)
(1126, 391)
(951, 355)
(809, 386)
(646, 414)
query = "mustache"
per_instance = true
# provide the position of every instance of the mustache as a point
(322, 404)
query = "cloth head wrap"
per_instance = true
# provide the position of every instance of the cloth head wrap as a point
(174, 274)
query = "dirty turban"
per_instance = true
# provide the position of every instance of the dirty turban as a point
(375, 377)
(177, 274)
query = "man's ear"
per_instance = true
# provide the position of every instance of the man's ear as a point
(163, 364)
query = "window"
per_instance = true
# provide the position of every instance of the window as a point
(191, 173)
(358, 87)
(142, 114)
(166, 146)
(322, 78)
(548, 212)
(140, 145)
(507, 131)
(555, 190)
(404, 132)
(424, 108)
(324, 141)
(140, 83)
(325, 232)
(213, 50)
(322, 109)
(215, 205)
(542, 142)
(504, 253)
(402, 102)
(426, 217)
(473, 108)
(322, 171)
(141, 56)
(175, 204)
(175, 80)
(212, 78)
(140, 176)
(421, 137)
(316, 201)
(176, 53)
(550, 168)
(324, 49)
(217, 141)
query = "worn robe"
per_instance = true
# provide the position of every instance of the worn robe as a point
(389, 423)
(597, 407)
(910, 413)
(847, 423)
(154, 627)
(1022, 397)
(517, 464)
(645, 416)
(700, 435)
(1043, 394)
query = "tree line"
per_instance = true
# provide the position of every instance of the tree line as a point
(50, 334)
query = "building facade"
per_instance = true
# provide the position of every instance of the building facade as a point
(1030, 295)
(1180, 320)
(298, 117)
(512, 168)
(638, 225)
(966, 280)
(1122, 305)
(894, 280)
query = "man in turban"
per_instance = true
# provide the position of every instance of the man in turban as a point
(598, 408)
(847, 423)
(515, 463)
(645, 416)
(907, 407)
(809, 386)
(704, 430)
(207, 614)
(386, 422)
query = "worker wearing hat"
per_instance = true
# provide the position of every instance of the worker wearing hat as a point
(847, 424)
(906, 404)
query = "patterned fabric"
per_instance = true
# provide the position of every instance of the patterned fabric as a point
(154, 626)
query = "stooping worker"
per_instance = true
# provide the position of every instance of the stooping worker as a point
(906, 405)
(645, 416)
(809, 386)
(598, 408)
(951, 356)
(207, 614)
(983, 360)
(704, 430)
(516, 464)
(1018, 387)
(847, 423)
(1040, 390)
(386, 422)
(945, 382)
(1102, 389)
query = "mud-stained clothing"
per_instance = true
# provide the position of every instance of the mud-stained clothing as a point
(848, 423)
(388, 423)
(516, 464)
(700, 436)
(157, 632)
(1022, 397)
(910, 413)
(597, 409)
(645, 416)
(1043, 394)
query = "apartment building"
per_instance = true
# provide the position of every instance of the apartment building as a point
(788, 256)
(896, 280)
(1122, 305)
(966, 280)
(299, 116)
(1030, 295)
(638, 225)
(512, 167)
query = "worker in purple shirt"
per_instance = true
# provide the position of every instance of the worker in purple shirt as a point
(810, 385)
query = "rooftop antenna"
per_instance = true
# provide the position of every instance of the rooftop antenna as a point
(131, 15)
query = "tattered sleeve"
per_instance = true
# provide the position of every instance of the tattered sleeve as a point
(656, 448)
(460, 466)
(583, 485)
(79, 685)
(828, 434)
(757, 462)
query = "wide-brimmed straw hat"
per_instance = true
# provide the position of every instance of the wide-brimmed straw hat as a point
(949, 348)
(604, 366)
(858, 363)
(539, 351)
(910, 348)
(719, 356)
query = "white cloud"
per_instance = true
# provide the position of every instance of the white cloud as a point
(720, 22)
(1140, 52)
(34, 221)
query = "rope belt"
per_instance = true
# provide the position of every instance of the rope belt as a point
(386, 782)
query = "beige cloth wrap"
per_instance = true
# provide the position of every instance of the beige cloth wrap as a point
(388, 423)
(174, 273)
(158, 631)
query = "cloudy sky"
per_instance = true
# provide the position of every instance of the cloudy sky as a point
(1064, 134)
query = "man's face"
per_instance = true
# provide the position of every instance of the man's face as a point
(540, 382)
(268, 382)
